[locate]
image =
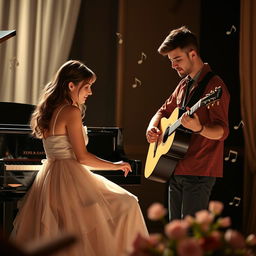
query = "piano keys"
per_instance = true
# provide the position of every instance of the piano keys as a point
(15, 175)
(21, 167)
(20, 174)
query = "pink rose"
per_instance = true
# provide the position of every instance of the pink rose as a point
(204, 218)
(216, 207)
(216, 234)
(189, 247)
(251, 240)
(189, 219)
(176, 229)
(224, 222)
(154, 239)
(156, 211)
(141, 243)
(142, 246)
(235, 239)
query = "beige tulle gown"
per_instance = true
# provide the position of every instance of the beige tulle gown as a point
(67, 197)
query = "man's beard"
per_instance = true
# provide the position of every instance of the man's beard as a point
(182, 75)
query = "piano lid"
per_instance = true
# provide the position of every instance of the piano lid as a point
(6, 34)
(15, 113)
(15, 117)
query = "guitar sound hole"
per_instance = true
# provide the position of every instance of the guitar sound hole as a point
(166, 134)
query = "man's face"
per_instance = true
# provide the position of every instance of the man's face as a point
(182, 61)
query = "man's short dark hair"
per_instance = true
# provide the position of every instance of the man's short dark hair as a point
(178, 38)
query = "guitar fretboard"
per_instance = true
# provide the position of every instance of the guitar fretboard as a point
(177, 123)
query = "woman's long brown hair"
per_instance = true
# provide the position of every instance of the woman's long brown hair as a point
(56, 93)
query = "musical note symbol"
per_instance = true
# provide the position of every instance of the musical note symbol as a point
(236, 127)
(233, 28)
(236, 201)
(137, 82)
(120, 38)
(143, 56)
(234, 158)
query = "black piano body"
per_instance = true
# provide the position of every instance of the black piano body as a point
(21, 156)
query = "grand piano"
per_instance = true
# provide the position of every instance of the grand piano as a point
(21, 156)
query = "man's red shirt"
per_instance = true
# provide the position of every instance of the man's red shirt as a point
(204, 156)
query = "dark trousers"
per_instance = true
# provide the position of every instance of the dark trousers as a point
(188, 194)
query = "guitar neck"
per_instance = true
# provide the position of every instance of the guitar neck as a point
(195, 108)
(176, 124)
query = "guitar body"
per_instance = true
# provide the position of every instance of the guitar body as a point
(164, 155)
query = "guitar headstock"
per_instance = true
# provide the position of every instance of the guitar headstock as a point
(212, 96)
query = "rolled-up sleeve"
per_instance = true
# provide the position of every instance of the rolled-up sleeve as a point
(219, 113)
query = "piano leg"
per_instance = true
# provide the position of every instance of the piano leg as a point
(8, 211)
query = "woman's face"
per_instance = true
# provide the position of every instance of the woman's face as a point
(80, 92)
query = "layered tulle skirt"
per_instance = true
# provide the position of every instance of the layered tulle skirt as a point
(67, 197)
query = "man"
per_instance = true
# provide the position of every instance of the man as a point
(195, 175)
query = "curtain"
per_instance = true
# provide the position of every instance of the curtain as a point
(44, 33)
(248, 96)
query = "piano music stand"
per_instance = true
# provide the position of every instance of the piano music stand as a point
(6, 34)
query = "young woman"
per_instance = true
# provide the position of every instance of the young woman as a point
(66, 196)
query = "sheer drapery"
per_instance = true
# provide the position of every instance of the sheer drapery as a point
(45, 30)
(248, 96)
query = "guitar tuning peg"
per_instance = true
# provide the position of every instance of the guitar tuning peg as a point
(218, 103)
(208, 106)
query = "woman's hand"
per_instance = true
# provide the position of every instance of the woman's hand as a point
(124, 166)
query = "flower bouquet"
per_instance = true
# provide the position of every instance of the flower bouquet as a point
(206, 234)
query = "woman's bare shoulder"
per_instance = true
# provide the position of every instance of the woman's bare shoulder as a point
(71, 112)
(71, 108)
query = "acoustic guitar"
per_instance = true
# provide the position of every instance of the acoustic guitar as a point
(172, 145)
